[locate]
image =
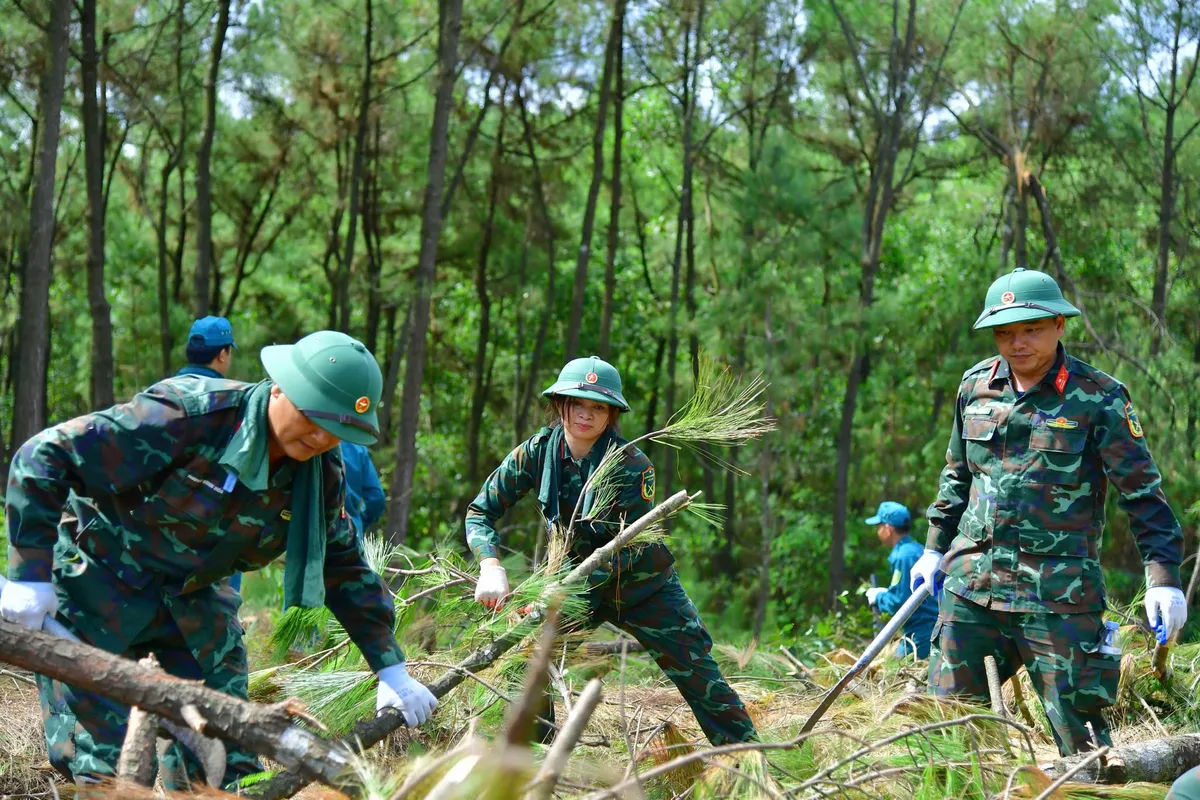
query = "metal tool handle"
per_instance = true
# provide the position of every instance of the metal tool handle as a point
(873, 649)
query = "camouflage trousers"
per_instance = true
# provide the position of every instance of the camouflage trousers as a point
(194, 636)
(668, 625)
(1074, 680)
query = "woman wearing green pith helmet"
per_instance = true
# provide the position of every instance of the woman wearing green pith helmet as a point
(639, 590)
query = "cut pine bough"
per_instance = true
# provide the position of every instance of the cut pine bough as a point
(370, 732)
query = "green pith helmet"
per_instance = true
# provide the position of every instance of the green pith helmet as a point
(333, 379)
(590, 378)
(1021, 295)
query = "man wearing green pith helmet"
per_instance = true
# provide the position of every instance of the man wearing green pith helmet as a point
(638, 590)
(1038, 437)
(124, 524)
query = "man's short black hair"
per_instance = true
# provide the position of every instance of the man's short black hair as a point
(203, 354)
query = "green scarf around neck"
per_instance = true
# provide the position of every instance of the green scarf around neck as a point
(247, 457)
(548, 491)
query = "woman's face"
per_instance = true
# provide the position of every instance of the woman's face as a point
(586, 420)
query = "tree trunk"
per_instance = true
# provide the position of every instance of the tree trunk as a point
(1020, 204)
(614, 213)
(764, 487)
(33, 331)
(95, 124)
(449, 22)
(261, 729)
(373, 239)
(356, 169)
(589, 211)
(478, 381)
(683, 226)
(539, 343)
(201, 300)
(391, 376)
(1166, 213)
(164, 308)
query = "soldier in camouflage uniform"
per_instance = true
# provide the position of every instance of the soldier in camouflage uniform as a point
(1038, 437)
(125, 522)
(639, 590)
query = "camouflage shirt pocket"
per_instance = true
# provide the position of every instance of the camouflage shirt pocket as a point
(189, 504)
(1057, 455)
(979, 434)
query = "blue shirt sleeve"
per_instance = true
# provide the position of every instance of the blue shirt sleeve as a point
(374, 500)
(894, 597)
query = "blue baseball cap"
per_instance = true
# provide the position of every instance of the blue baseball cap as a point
(891, 513)
(212, 332)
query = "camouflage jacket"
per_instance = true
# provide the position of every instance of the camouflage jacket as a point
(634, 573)
(144, 495)
(1020, 510)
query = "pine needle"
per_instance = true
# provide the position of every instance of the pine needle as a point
(722, 411)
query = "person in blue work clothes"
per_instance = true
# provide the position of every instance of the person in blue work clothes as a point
(364, 494)
(893, 525)
(209, 348)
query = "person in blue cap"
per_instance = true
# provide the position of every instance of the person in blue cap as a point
(209, 353)
(365, 501)
(893, 525)
(209, 348)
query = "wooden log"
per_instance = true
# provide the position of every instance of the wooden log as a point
(138, 754)
(1155, 761)
(368, 733)
(267, 730)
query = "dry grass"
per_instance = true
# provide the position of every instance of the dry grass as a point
(24, 769)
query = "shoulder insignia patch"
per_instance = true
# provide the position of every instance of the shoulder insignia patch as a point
(648, 483)
(1135, 425)
(285, 515)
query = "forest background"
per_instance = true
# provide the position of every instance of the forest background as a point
(818, 192)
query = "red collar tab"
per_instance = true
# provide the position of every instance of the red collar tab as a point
(1060, 380)
(995, 369)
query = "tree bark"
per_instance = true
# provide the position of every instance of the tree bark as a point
(373, 240)
(449, 23)
(356, 170)
(478, 381)
(95, 124)
(589, 211)
(683, 224)
(391, 376)
(614, 212)
(1166, 213)
(201, 289)
(1154, 761)
(267, 730)
(33, 328)
(539, 343)
(764, 487)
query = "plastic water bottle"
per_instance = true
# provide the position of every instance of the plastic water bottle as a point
(1111, 644)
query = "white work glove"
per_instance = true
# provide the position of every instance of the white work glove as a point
(925, 570)
(1167, 605)
(873, 595)
(28, 603)
(398, 690)
(492, 588)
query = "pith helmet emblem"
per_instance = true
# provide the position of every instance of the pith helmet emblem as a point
(1007, 298)
(591, 377)
(362, 405)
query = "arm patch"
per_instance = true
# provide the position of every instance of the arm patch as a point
(648, 483)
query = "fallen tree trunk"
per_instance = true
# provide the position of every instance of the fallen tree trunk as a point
(267, 730)
(1155, 761)
(368, 733)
